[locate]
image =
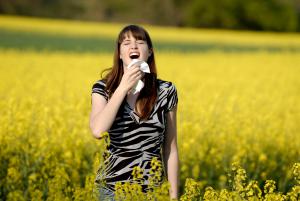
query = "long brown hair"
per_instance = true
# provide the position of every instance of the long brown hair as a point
(147, 97)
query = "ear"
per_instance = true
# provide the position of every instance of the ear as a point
(150, 51)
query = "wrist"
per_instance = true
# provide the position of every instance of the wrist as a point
(121, 90)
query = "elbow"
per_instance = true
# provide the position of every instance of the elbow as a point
(96, 132)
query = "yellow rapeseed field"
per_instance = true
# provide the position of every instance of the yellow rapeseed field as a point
(238, 117)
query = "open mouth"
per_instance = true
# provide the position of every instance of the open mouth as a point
(134, 55)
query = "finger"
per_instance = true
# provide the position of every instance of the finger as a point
(135, 68)
(137, 76)
(135, 73)
(131, 74)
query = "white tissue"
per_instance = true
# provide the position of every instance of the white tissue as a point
(145, 68)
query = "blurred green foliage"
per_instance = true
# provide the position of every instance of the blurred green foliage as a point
(272, 15)
(10, 39)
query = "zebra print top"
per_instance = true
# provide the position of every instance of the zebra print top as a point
(134, 142)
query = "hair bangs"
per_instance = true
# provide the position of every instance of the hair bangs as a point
(134, 31)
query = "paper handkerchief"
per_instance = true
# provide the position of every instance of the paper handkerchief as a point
(145, 68)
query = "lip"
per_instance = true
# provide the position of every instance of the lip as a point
(134, 55)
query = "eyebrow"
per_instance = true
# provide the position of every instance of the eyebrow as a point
(129, 40)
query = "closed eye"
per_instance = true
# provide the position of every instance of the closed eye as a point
(125, 42)
(140, 42)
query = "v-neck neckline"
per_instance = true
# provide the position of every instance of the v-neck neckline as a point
(135, 117)
(132, 109)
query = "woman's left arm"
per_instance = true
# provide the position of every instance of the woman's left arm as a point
(170, 153)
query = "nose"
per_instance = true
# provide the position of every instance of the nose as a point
(133, 45)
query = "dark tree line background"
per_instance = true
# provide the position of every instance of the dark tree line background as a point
(271, 15)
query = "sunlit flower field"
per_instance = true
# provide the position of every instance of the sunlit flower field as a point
(238, 112)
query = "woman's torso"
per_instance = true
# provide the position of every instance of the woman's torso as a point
(134, 142)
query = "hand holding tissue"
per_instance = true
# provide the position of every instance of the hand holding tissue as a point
(143, 67)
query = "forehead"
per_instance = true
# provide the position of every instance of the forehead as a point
(133, 35)
(127, 36)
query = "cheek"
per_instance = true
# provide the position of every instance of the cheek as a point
(146, 52)
(122, 53)
(123, 49)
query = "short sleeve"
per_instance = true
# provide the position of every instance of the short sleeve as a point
(172, 98)
(99, 87)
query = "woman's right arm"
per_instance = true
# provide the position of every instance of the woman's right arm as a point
(103, 113)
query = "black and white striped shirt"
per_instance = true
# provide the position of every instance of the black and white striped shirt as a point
(134, 142)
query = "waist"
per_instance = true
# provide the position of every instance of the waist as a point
(111, 186)
(134, 151)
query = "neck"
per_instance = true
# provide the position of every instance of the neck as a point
(133, 95)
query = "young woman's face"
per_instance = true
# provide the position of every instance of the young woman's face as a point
(132, 48)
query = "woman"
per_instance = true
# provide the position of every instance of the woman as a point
(140, 125)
